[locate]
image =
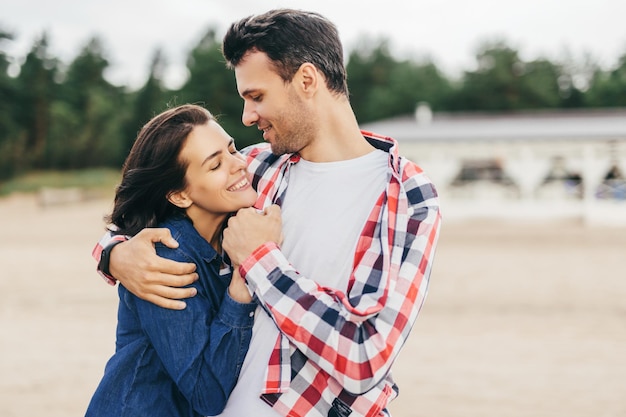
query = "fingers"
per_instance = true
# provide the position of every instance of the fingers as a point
(168, 297)
(169, 268)
(166, 302)
(160, 283)
(273, 210)
(154, 235)
(174, 293)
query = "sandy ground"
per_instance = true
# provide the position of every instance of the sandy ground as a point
(521, 320)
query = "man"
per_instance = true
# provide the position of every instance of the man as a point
(359, 228)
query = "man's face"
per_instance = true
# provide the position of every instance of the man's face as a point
(273, 105)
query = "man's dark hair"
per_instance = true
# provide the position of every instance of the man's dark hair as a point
(289, 38)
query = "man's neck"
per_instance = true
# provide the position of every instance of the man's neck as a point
(338, 138)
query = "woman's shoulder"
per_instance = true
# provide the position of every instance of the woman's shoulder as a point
(191, 246)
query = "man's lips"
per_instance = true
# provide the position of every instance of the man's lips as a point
(265, 131)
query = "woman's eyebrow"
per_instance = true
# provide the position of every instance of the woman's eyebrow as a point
(216, 153)
(213, 155)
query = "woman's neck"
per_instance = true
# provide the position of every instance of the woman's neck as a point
(209, 226)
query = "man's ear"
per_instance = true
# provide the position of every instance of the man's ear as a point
(179, 199)
(309, 77)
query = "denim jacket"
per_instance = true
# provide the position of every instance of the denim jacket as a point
(177, 362)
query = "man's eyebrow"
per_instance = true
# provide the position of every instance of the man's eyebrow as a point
(248, 92)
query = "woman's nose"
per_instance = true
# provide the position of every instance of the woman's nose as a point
(239, 162)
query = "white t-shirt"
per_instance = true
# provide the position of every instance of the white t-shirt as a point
(324, 211)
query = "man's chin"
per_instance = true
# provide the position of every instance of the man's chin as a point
(277, 150)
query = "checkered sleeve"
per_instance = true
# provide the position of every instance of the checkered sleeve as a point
(355, 335)
(265, 170)
(96, 253)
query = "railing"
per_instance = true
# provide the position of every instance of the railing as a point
(612, 190)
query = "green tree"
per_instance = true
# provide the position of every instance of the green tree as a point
(575, 79)
(608, 88)
(88, 115)
(8, 128)
(381, 86)
(503, 82)
(37, 91)
(539, 85)
(213, 85)
(145, 103)
(369, 67)
(495, 84)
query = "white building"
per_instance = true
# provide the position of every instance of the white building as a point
(522, 165)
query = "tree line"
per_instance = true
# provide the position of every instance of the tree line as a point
(62, 116)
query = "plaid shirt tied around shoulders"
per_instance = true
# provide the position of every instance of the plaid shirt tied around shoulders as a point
(336, 348)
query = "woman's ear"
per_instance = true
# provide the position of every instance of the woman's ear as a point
(179, 199)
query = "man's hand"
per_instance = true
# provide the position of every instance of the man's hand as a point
(250, 229)
(157, 280)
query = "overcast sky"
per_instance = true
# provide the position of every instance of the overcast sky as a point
(449, 31)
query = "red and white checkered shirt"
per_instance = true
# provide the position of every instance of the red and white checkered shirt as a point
(335, 350)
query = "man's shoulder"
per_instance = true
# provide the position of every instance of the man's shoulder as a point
(257, 150)
(260, 158)
(417, 184)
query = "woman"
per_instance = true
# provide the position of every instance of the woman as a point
(185, 174)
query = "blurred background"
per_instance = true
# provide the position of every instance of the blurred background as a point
(517, 111)
(78, 80)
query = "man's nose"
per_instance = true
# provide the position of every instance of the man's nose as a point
(249, 116)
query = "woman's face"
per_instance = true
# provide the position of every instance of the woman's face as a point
(217, 179)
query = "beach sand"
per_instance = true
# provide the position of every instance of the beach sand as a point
(522, 319)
